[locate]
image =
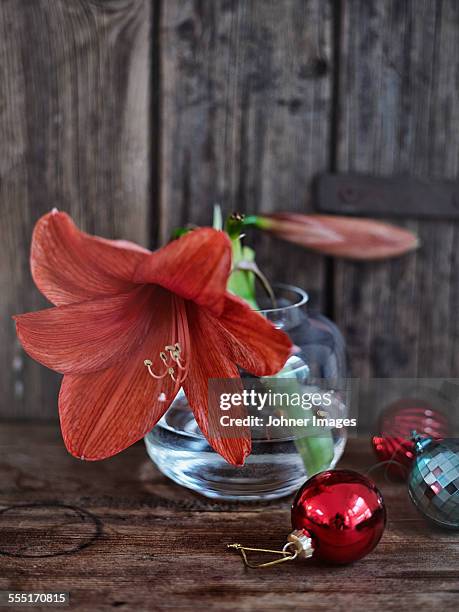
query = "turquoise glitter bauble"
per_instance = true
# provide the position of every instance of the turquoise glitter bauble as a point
(434, 481)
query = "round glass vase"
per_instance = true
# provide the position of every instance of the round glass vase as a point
(278, 464)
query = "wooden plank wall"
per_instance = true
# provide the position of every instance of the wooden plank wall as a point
(138, 115)
(74, 133)
(245, 115)
(399, 113)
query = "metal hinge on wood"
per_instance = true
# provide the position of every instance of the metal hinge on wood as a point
(397, 196)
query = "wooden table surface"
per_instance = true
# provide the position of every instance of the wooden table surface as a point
(117, 534)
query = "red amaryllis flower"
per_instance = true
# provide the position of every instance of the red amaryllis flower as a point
(338, 236)
(117, 305)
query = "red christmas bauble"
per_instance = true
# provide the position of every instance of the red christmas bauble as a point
(397, 422)
(342, 512)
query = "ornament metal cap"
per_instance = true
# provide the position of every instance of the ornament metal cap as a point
(420, 443)
(303, 543)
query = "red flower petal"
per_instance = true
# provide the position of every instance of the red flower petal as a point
(71, 266)
(104, 412)
(209, 359)
(195, 267)
(255, 344)
(92, 335)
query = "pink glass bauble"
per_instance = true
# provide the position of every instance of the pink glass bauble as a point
(396, 423)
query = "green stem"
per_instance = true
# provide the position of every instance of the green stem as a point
(256, 221)
(316, 449)
(242, 281)
(314, 445)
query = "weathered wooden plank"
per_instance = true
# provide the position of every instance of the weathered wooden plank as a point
(135, 541)
(245, 106)
(74, 116)
(398, 113)
(398, 196)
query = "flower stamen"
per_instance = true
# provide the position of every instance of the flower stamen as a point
(171, 357)
(175, 356)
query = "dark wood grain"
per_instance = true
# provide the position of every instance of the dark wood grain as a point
(382, 196)
(245, 105)
(398, 113)
(161, 547)
(74, 133)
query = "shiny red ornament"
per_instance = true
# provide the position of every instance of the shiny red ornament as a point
(342, 512)
(396, 423)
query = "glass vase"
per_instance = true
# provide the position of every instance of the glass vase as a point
(278, 464)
